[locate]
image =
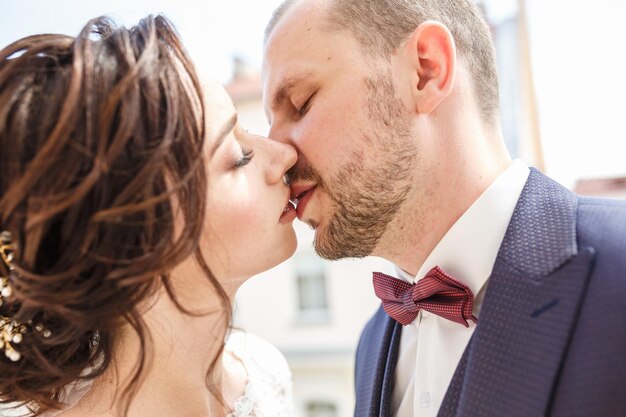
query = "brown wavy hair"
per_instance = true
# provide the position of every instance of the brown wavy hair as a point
(99, 135)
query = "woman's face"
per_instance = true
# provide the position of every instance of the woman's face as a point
(249, 218)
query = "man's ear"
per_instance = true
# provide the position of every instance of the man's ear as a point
(432, 55)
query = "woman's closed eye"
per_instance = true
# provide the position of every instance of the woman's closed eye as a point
(246, 157)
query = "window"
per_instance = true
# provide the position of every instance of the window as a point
(321, 409)
(311, 286)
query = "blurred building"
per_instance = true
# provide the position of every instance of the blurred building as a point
(602, 187)
(311, 309)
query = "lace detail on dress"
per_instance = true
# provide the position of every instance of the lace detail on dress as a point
(268, 390)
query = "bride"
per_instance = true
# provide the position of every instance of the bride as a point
(132, 207)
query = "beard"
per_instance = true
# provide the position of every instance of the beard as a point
(367, 192)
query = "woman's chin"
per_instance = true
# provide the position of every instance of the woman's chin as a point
(279, 253)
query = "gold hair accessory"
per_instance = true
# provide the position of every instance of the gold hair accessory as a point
(12, 331)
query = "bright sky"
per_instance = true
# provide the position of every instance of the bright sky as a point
(576, 51)
(579, 70)
(213, 31)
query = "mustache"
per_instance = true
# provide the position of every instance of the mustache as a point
(302, 171)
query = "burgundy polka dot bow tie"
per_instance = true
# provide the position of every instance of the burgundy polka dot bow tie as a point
(437, 293)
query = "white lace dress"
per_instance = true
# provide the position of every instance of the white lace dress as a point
(268, 390)
(267, 393)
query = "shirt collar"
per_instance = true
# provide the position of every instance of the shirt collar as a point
(469, 249)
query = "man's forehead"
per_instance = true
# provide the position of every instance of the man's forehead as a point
(291, 56)
(302, 17)
(295, 49)
(303, 10)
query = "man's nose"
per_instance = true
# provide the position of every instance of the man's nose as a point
(280, 134)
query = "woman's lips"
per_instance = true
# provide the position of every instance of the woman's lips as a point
(289, 214)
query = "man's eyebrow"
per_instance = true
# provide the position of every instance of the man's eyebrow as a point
(226, 129)
(285, 86)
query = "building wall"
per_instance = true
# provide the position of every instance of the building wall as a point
(319, 347)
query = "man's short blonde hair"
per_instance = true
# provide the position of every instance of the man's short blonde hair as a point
(381, 26)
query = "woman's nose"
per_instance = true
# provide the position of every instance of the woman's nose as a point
(282, 157)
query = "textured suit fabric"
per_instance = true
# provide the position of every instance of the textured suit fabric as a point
(377, 354)
(451, 400)
(593, 378)
(550, 339)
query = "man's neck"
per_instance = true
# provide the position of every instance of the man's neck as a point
(420, 225)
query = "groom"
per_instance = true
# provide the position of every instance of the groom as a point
(519, 301)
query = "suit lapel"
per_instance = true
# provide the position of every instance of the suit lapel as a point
(390, 367)
(521, 340)
(530, 309)
(376, 361)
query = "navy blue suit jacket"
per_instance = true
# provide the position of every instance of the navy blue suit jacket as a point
(551, 336)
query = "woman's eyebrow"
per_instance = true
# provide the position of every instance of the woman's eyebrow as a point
(226, 129)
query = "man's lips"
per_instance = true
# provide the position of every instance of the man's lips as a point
(297, 191)
(300, 196)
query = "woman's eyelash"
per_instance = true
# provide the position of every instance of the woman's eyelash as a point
(245, 159)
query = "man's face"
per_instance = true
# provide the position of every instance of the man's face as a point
(352, 131)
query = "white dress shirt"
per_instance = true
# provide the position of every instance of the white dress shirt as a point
(431, 346)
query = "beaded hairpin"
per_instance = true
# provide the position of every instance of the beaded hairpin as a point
(12, 331)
